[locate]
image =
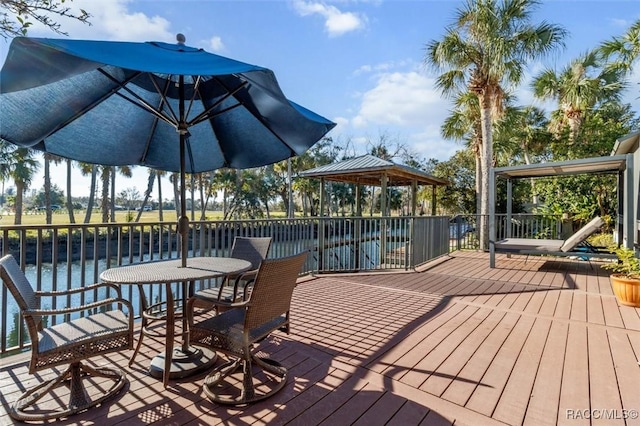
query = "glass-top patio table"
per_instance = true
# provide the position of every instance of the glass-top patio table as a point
(186, 360)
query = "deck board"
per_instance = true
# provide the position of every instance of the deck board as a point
(529, 342)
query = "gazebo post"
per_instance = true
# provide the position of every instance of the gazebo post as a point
(321, 227)
(358, 202)
(383, 194)
(433, 200)
(357, 224)
(414, 201)
(383, 213)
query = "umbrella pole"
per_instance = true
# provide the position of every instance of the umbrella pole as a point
(183, 222)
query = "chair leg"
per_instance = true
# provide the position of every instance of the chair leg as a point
(26, 407)
(143, 307)
(218, 391)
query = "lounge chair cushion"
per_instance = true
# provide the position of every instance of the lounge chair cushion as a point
(582, 234)
(516, 245)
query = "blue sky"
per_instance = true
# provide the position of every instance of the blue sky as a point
(356, 62)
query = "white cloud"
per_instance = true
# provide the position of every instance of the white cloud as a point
(405, 104)
(112, 20)
(336, 22)
(215, 44)
(400, 99)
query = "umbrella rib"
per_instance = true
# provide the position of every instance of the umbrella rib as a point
(205, 114)
(141, 102)
(163, 95)
(155, 121)
(196, 86)
(265, 124)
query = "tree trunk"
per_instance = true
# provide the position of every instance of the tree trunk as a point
(72, 218)
(112, 204)
(486, 161)
(17, 219)
(176, 194)
(92, 194)
(47, 189)
(104, 204)
(160, 205)
(147, 193)
(478, 158)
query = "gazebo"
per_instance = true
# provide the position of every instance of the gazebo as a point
(374, 171)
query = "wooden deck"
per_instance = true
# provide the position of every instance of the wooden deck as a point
(531, 342)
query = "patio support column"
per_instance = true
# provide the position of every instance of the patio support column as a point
(509, 208)
(628, 203)
(492, 218)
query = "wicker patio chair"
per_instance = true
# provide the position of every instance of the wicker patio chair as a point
(154, 316)
(235, 288)
(236, 331)
(68, 343)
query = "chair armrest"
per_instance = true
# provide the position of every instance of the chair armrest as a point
(230, 305)
(247, 288)
(79, 290)
(85, 307)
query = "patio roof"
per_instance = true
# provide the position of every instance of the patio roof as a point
(627, 144)
(369, 170)
(610, 164)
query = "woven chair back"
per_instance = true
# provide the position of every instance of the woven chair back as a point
(251, 249)
(22, 291)
(273, 289)
(17, 283)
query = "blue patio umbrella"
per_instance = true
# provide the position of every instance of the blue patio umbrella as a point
(165, 106)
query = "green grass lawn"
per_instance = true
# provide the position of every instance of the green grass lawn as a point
(62, 217)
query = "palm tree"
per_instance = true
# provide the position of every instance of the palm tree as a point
(485, 51)
(464, 124)
(72, 218)
(577, 89)
(48, 159)
(5, 163)
(160, 174)
(125, 171)
(625, 50)
(147, 192)
(21, 167)
(107, 178)
(521, 135)
(85, 169)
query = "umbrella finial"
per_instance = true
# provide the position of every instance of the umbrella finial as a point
(181, 38)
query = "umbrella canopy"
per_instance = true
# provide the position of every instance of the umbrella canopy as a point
(122, 103)
(119, 103)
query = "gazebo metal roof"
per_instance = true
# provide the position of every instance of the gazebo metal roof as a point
(369, 170)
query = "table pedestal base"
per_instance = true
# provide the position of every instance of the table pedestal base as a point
(183, 364)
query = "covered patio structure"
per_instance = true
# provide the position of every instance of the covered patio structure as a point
(622, 165)
(374, 171)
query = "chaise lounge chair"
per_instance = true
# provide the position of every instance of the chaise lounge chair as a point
(576, 245)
